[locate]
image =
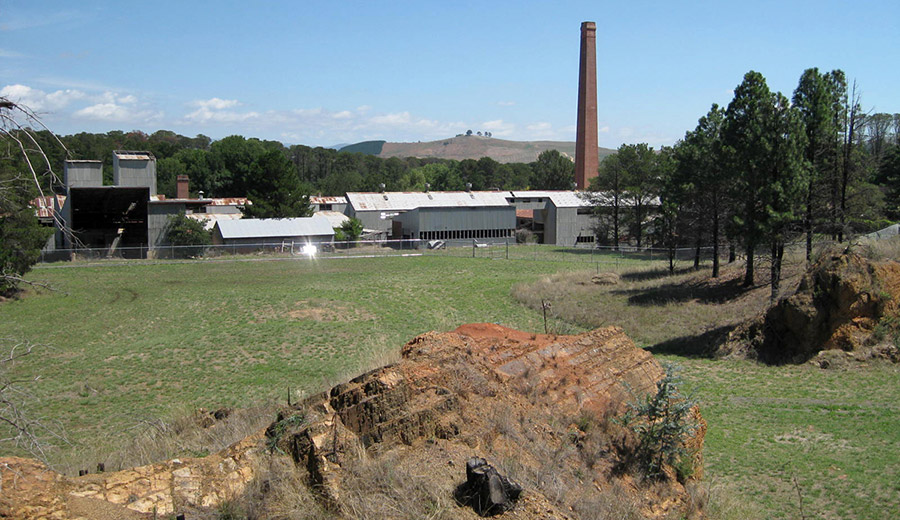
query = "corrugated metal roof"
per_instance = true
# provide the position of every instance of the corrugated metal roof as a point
(209, 219)
(228, 201)
(525, 194)
(127, 155)
(328, 200)
(43, 206)
(570, 199)
(231, 201)
(335, 218)
(560, 198)
(405, 201)
(275, 227)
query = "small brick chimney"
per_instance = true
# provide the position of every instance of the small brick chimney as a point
(181, 190)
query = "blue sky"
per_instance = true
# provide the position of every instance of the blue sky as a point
(321, 73)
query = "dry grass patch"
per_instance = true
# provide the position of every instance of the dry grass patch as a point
(314, 310)
(684, 312)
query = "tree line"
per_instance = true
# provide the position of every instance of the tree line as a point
(761, 172)
(274, 174)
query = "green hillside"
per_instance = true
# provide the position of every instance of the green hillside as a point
(366, 147)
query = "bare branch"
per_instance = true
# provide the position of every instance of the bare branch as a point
(18, 426)
(19, 279)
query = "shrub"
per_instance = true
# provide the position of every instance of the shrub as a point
(662, 422)
(184, 231)
(21, 240)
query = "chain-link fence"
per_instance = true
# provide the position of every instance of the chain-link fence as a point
(504, 249)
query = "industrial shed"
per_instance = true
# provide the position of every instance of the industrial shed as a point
(250, 234)
(457, 225)
(376, 211)
(560, 217)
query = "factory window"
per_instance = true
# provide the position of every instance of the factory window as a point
(585, 239)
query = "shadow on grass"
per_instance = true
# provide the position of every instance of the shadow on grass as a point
(653, 274)
(702, 292)
(701, 345)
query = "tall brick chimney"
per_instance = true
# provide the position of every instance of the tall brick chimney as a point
(586, 134)
(181, 189)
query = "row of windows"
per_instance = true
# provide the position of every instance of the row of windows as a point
(461, 234)
(582, 239)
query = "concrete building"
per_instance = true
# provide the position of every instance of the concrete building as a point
(128, 219)
(320, 203)
(457, 225)
(247, 235)
(134, 169)
(113, 217)
(559, 217)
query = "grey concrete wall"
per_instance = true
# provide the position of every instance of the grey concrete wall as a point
(223, 209)
(157, 220)
(83, 174)
(564, 225)
(134, 173)
(370, 219)
(460, 219)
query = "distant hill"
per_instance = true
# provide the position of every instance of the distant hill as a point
(470, 147)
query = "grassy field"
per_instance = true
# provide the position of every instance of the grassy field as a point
(124, 342)
(780, 437)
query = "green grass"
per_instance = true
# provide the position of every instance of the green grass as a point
(128, 341)
(125, 341)
(832, 434)
(836, 432)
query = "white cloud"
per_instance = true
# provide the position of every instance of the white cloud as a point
(116, 113)
(499, 127)
(38, 100)
(216, 110)
(544, 130)
(215, 103)
(506, 103)
(204, 115)
(400, 118)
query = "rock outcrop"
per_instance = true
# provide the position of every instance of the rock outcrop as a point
(837, 306)
(537, 405)
(486, 391)
(32, 491)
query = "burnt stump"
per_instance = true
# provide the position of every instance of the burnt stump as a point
(485, 490)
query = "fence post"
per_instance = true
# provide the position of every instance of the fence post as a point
(473, 248)
(507, 248)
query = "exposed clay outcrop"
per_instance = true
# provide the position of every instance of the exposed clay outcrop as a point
(522, 401)
(482, 389)
(837, 306)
